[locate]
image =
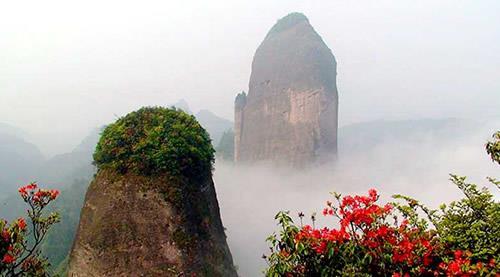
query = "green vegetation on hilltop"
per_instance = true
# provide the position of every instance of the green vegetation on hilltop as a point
(156, 140)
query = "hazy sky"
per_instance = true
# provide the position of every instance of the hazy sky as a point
(67, 67)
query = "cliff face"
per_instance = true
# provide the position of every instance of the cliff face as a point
(159, 217)
(128, 227)
(290, 113)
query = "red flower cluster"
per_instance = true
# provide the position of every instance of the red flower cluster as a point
(364, 222)
(6, 245)
(24, 191)
(13, 242)
(38, 196)
(361, 210)
(461, 265)
(319, 239)
(366, 227)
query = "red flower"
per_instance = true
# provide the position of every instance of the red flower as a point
(458, 254)
(320, 248)
(325, 211)
(38, 195)
(6, 235)
(382, 231)
(427, 260)
(373, 194)
(53, 194)
(454, 268)
(8, 259)
(32, 186)
(387, 208)
(22, 191)
(21, 223)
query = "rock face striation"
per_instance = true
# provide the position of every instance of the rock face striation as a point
(290, 113)
(152, 209)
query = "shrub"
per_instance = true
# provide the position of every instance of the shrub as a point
(156, 140)
(19, 253)
(472, 223)
(461, 239)
(372, 240)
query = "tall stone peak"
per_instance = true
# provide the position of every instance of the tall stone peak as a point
(290, 113)
(288, 21)
(152, 209)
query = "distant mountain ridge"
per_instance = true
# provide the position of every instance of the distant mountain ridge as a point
(366, 135)
(64, 168)
(215, 125)
(183, 105)
(19, 159)
(13, 131)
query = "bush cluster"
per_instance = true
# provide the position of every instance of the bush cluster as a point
(155, 140)
(382, 240)
(400, 238)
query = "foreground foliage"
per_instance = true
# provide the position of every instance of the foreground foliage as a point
(459, 239)
(19, 244)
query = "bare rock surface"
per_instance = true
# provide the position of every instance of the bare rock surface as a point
(290, 113)
(129, 228)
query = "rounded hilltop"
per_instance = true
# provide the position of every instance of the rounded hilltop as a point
(156, 140)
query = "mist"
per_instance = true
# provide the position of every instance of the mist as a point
(67, 68)
(250, 196)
